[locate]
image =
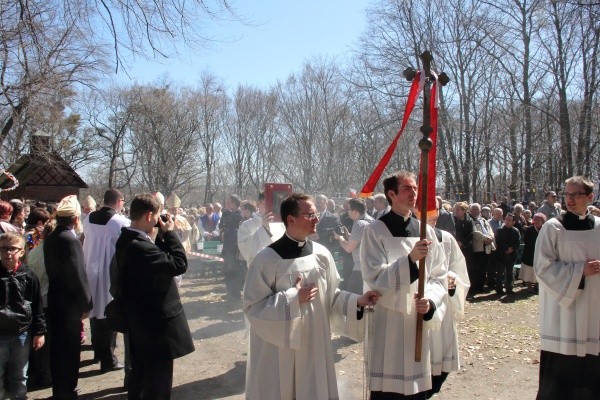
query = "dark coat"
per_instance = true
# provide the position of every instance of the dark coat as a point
(20, 291)
(325, 228)
(68, 289)
(507, 237)
(529, 238)
(157, 322)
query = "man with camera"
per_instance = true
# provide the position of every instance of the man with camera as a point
(328, 222)
(158, 328)
(351, 242)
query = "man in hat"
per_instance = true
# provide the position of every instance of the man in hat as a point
(69, 298)
(102, 229)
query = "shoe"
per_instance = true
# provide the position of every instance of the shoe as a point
(115, 367)
(500, 291)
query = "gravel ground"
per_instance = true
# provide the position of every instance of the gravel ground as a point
(498, 337)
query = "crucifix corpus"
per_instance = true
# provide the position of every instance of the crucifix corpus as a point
(428, 79)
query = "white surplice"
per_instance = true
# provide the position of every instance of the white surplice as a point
(290, 353)
(252, 237)
(98, 251)
(385, 268)
(569, 316)
(444, 342)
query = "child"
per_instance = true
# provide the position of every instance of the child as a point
(21, 315)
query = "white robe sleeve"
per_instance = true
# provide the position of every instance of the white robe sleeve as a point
(457, 268)
(390, 277)
(246, 233)
(344, 316)
(561, 279)
(274, 316)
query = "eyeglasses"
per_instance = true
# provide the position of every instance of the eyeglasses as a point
(10, 250)
(574, 195)
(310, 216)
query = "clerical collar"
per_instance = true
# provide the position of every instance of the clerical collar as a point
(580, 217)
(405, 218)
(300, 244)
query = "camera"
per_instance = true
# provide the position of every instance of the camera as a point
(339, 230)
(164, 217)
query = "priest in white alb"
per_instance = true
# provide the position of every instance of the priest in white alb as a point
(567, 265)
(293, 303)
(258, 232)
(390, 250)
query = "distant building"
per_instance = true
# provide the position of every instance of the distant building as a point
(42, 174)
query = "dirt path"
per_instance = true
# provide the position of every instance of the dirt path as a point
(499, 350)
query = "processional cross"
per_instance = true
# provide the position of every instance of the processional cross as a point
(428, 79)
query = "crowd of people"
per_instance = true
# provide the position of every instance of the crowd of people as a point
(311, 269)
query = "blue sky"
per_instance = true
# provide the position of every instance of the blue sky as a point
(287, 34)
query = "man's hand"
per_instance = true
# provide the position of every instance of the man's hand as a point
(267, 219)
(509, 251)
(169, 225)
(591, 268)
(420, 250)
(422, 305)
(369, 298)
(306, 293)
(38, 342)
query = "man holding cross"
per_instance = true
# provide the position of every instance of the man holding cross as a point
(390, 251)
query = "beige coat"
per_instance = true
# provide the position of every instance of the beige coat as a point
(479, 236)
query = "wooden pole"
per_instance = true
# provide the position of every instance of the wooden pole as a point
(425, 144)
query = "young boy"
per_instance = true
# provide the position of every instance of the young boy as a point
(21, 315)
(508, 240)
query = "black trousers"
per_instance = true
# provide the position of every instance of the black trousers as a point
(565, 377)
(480, 267)
(104, 342)
(504, 272)
(65, 349)
(235, 275)
(151, 378)
(39, 360)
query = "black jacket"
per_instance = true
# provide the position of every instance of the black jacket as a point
(325, 228)
(157, 322)
(505, 238)
(21, 302)
(68, 288)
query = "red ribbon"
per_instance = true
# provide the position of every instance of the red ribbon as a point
(369, 187)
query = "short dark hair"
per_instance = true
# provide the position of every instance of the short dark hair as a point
(392, 182)
(142, 204)
(290, 206)
(37, 215)
(249, 206)
(112, 196)
(235, 199)
(357, 205)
